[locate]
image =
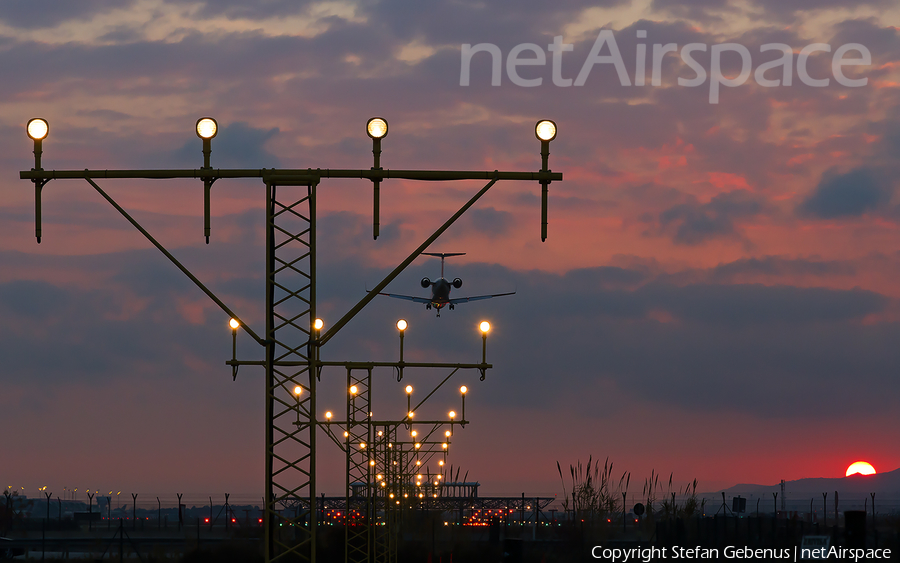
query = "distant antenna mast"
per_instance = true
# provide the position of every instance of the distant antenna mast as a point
(782, 496)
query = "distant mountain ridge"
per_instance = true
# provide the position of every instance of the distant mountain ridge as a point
(887, 482)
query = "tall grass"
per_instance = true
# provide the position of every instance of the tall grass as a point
(689, 506)
(594, 492)
(595, 495)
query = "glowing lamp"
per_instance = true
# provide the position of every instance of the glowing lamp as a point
(234, 324)
(298, 390)
(377, 128)
(402, 325)
(37, 129)
(409, 388)
(545, 130)
(207, 128)
(318, 324)
(484, 327)
(463, 389)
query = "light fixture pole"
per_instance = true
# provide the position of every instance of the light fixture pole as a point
(37, 130)
(235, 325)
(402, 325)
(376, 129)
(485, 328)
(545, 130)
(206, 129)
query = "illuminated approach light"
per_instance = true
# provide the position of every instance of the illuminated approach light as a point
(545, 130)
(376, 128)
(207, 128)
(37, 129)
(861, 468)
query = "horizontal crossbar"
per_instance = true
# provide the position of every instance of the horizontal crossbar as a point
(291, 176)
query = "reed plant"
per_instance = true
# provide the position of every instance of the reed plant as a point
(594, 493)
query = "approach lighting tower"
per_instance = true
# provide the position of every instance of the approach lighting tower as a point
(292, 340)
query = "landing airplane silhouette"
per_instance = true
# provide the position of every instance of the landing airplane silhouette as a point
(440, 289)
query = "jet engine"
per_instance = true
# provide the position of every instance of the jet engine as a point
(426, 282)
(457, 283)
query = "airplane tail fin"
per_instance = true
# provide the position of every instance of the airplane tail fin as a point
(443, 255)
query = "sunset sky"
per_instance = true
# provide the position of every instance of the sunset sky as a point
(718, 296)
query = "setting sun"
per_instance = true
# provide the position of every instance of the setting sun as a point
(861, 467)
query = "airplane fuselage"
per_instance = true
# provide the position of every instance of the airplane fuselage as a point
(440, 293)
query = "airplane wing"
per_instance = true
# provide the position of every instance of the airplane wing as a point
(478, 297)
(408, 297)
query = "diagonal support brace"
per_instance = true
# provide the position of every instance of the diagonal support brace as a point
(178, 264)
(409, 259)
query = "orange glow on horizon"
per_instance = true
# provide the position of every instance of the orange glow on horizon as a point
(860, 467)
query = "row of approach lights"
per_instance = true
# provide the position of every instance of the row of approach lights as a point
(381, 479)
(207, 128)
(376, 128)
(402, 325)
